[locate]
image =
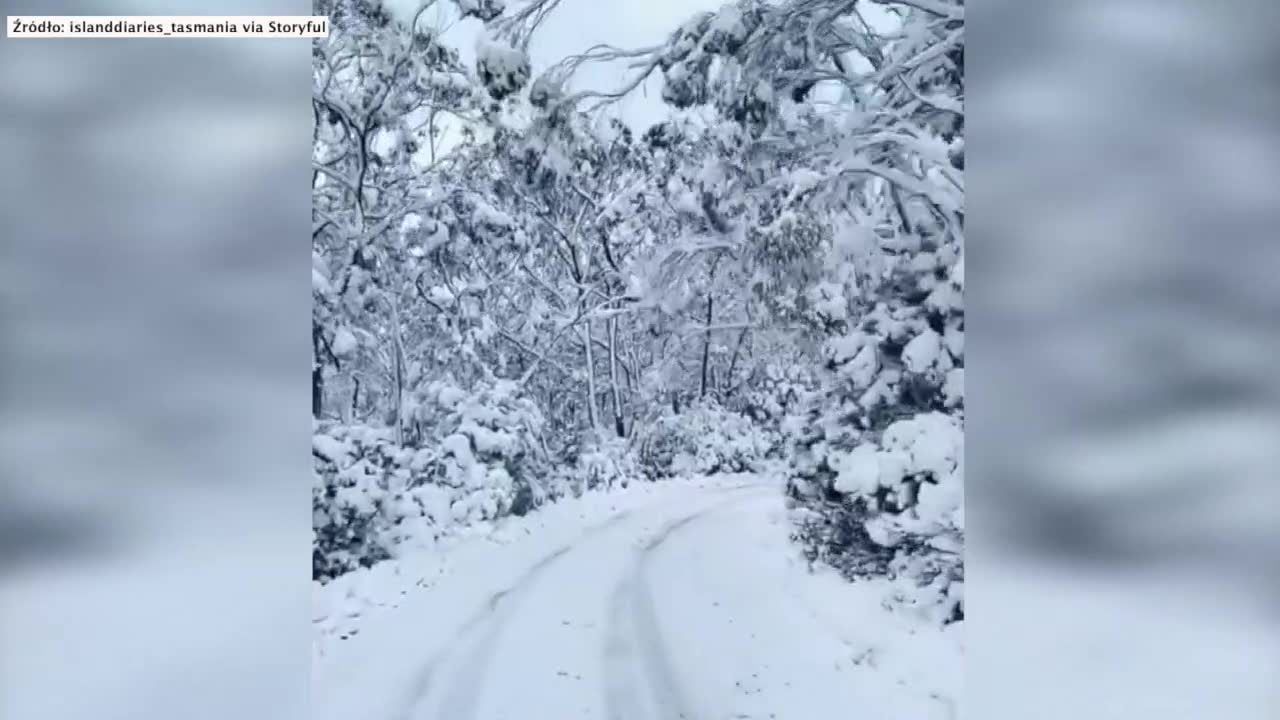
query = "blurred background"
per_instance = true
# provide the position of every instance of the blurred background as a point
(1123, 435)
(1123, 422)
(154, 285)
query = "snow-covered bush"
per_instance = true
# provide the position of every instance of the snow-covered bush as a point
(704, 438)
(357, 499)
(485, 447)
(774, 394)
(879, 472)
(605, 463)
(476, 459)
(609, 463)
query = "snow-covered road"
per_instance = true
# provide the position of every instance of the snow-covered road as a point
(681, 600)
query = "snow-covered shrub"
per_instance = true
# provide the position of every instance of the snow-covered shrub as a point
(775, 393)
(485, 447)
(704, 438)
(475, 459)
(608, 463)
(357, 498)
(601, 464)
(879, 472)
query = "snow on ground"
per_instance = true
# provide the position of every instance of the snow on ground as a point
(486, 553)
(658, 602)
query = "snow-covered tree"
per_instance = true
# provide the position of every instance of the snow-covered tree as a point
(836, 190)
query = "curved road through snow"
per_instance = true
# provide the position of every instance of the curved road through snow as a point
(688, 608)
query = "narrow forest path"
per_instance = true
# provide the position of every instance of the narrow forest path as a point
(690, 604)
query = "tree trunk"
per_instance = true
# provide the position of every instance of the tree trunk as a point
(317, 375)
(619, 425)
(733, 365)
(317, 391)
(593, 412)
(398, 362)
(706, 350)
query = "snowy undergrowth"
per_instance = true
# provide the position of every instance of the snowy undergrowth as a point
(705, 439)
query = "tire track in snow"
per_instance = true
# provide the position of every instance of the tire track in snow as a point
(493, 611)
(479, 635)
(634, 650)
